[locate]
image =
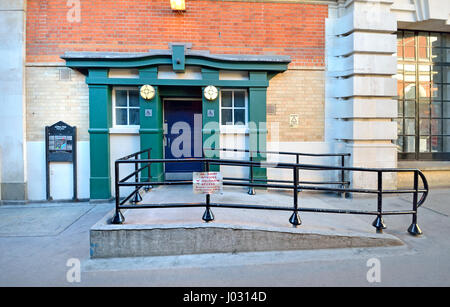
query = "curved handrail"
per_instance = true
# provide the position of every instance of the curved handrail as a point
(294, 185)
(425, 187)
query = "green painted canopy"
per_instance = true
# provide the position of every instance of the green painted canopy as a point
(178, 58)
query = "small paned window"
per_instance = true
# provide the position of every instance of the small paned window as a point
(126, 107)
(233, 107)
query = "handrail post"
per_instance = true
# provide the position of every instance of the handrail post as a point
(297, 161)
(118, 217)
(208, 216)
(414, 229)
(251, 190)
(342, 194)
(149, 170)
(137, 197)
(295, 218)
(379, 223)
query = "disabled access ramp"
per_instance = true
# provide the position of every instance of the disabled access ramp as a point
(180, 231)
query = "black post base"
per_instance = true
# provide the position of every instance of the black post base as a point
(378, 223)
(414, 230)
(208, 216)
(295, 219)
(118, 218)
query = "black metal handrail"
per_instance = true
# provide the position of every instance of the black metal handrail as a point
(252, 153)
(293, 185)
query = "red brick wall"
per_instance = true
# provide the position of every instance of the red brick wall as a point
(294, 29)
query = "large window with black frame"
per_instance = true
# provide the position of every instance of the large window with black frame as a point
(423, 86)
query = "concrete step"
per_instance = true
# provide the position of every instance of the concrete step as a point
(179, 231)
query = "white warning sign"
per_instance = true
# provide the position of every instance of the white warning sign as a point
(207, 182)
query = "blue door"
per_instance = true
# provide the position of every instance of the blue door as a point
(183, 135)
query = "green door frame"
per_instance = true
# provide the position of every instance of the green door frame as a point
(96, 67)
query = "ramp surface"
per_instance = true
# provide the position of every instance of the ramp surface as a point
(177, 231)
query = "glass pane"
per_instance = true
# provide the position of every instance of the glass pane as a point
(446, 74)
(400, 144)
(424, 125)
(239, 116)
(446, 126)
(121, 116)
(134, 98)
(399, 126)
(424, 89)
(226, 98)
(134, 116)
(446, 144)
(435, 40)
(408, 39)
(400, 88)
(436, 55)
(399, 52)
(446, 40)
(436, 74)
(410, 126)
(445, 55)
(436, 126)
(227, 117)
(121, 98)
(424, 145)
(436, 109)
(436, 144)
(424, 109)
(239, 99)
(410, 144)
(446, 92)
(423, 53)
(400, 108)
(399, 38)
(409, 53)
(410, 91)
(410, 69)
(436, 91)
(410, 110)
(445, 109)
(422, 39)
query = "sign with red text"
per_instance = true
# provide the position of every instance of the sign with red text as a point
(207, 182)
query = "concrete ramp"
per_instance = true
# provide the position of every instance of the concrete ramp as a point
(179, 231)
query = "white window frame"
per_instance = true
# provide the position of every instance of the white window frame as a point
(119, 128)
(233, 128)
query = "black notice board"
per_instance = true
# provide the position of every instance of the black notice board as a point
(61, 146)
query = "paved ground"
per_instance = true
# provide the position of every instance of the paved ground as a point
(41, 244)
